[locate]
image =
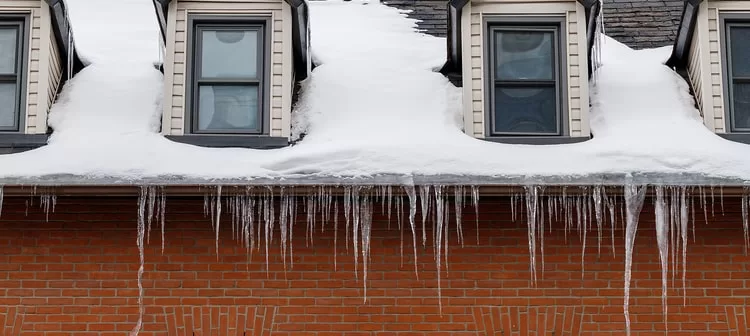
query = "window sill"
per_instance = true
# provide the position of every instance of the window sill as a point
(19, 142)
(235, 141)
(736, 137)
(540, 140)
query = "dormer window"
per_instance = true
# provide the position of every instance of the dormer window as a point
(228, 77)
(526, 96)
(738, 75)
(12, 61)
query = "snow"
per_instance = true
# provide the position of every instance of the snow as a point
(374, 108)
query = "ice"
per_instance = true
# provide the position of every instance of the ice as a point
(424, 196)
(366, 229)
(745, 226)
(2, 196)
(335, 233)
(599, 212)
(412, 194)
(458, 200)
(440, 212)
(532, 205)
(634, 197)
(662, 232)
(218, 218)
(475, 201)
(47, 201)
(683, 233)
(142, 200)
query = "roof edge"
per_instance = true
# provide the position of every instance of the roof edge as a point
(684, 39)
(62, 30)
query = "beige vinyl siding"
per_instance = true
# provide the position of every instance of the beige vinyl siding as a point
(55, 70)
(576, 59)
(177, 55)
(715, 76)
(35, 111)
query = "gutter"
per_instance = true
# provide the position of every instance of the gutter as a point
(453, 65)
(300, 33)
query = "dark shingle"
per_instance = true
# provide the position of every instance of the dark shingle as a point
(432, 14)
(642, 23)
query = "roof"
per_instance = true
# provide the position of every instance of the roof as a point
(642, 24)
(432, 15)
(64, 37)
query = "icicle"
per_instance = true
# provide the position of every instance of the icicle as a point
(347, 210)
(290, 231)
(355, 227)
(584, 204)
(283, 225)
(634, 196)
(439, 204)
(142, 199)
(389, 200)
(218, 218)
(399, 210)
(411, 192)
(612, 214)
(532, 200)
(162, 214)
(424, 192)
(745, 225)
(475, 201)
(366, 226)
(335, 233)
(458, 200)
(599, 213)
(662, 232)
(150, 215)
(310, 211)
(2, 195)
(683, 234)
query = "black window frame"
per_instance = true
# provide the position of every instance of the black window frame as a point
(729, 21)
(200, 23)
(20, 23)
(554, 24)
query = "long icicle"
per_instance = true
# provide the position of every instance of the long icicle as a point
(634, 197)
(662, 241)
(142, 199)
(412, 193)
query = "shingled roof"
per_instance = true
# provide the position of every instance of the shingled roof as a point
(637, 23)
(643, 23)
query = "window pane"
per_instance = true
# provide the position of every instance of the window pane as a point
(526, 110)
(229, 53)
(227, 107)
(8, 43)
(7, 105)
(740, 48)
(741, 98)
(524, 55)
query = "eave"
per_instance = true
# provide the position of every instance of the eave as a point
(683, 42)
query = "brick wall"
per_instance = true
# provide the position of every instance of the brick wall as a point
(76, 275)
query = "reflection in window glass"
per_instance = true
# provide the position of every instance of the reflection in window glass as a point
(229, 54)
(741, 99)
(8, 104)
(525, 110)
(8, 51)
(740, 49)
(524, 55)
(228, 107)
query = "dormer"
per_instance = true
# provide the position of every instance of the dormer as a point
(231, 69)
(524, 67)
(37, 55)
(712, 51)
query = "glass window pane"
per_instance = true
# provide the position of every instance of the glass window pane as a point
(7, 105)
(228, 107)
(740, 49)
(8, 50)
(524, 55)
(229, 53)
(526, 110)
(741, 110)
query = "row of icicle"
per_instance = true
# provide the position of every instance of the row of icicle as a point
(254, 220)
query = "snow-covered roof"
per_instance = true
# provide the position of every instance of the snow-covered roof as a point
(375, 111)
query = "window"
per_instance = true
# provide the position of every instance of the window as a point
(738, 75)
(12, 61)
(228, 77)
(525, 89)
